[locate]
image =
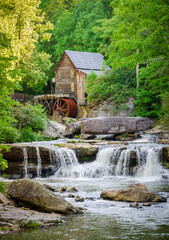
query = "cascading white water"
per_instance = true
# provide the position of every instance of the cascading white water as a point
(39, 162)
(141, 160)
(60, 158)
(25, 161)
(152, 166)
(117, 161)
(66, 159)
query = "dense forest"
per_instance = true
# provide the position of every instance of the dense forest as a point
(131, 34)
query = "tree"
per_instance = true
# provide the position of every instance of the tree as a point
(26, 25)
(21, 25)
(35, 73)
(138, 33)
(73, 26)
(116, 86)
(22, 22)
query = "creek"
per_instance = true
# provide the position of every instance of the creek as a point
(112, 169)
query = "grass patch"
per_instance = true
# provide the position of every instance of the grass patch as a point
(32, 225)
(4, 229)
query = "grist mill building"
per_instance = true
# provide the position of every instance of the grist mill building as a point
(70, 79)
(71, 72)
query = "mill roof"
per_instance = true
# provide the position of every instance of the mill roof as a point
(86, 61)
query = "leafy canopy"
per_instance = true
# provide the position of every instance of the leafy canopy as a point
(138, 33)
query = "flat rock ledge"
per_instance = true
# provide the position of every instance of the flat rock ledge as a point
(30, 205)
(132, 193)
(14, 219)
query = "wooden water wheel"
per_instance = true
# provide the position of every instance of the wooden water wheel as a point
(67, 107)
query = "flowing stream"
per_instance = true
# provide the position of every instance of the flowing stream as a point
(114, 168)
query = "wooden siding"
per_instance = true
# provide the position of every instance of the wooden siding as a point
(65, 80)
(81, 78)
(70, 80)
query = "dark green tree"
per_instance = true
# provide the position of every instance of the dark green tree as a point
(137, 37)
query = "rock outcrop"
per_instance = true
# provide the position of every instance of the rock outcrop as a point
(54, 130)
(12, 218)
(165, 154)
(85, 152)
(108, 125)
(132, 193)
(73, 129)
(35, 195)
(115, 125)
(15, 158)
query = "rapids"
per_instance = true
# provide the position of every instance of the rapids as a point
(114, 168)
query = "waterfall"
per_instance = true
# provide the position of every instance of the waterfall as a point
(39, 162)
(128, 160)
(25, 161)
(134, 159)
(59, 158)
(66, 159)
(152, 166)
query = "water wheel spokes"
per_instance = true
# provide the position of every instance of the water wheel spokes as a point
(67, 107)
(63, 108)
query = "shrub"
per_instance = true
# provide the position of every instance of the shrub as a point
(27, 135)
(32, 225)
(30, 116)
(8, 134)
(3, 165)
(117, 86)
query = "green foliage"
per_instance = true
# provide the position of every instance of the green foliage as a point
(35, 73)
(30, 116)
(2, 186)
(165, 164)
(117, 86)
(23, 124)
(165, 111)
(32, 225)
(3, 165)
(3, 162)
(21, 26)
(28, 135)
(73, 26)
(138, 33)
(153, 85)
(8, 134)
(4, 229)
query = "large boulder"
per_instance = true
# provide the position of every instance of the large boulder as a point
(35, 195)
(132, 193)
(115, 125)
(73, 129)
(107, 125)
(54, 130)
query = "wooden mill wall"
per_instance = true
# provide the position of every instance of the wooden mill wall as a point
(70, 80)
(65, 74)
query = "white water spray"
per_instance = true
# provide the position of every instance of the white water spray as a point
(25, 161)
(39, 163)
(140, 160)
(117, 161)
(152, 166)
